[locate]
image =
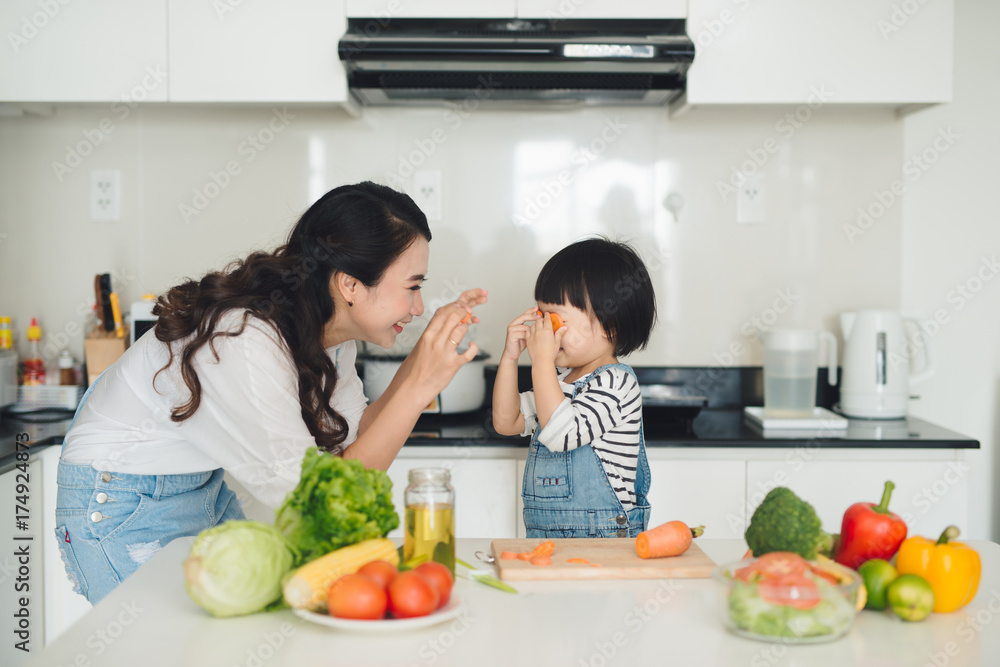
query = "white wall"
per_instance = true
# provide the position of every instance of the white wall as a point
(951, 242)
(713, 276)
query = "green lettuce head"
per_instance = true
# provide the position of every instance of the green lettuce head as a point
(236, 567)
(337, 503)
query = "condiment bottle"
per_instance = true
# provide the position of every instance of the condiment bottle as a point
(430, 517)
(67, 374)
(34, 365)
(6, 335)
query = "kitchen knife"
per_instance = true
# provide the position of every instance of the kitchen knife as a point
(98, 309)
(108, 313)
(116, 312)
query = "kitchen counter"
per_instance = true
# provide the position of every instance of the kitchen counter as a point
(712, 428)
(150, 620)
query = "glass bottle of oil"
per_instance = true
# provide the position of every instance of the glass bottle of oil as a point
(430, 517)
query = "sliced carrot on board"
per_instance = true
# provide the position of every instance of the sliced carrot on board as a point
(546, 548)
(670, 539)
(541, 560)
(596, 565)
(577, 560)
(524, 556)
(508, 555)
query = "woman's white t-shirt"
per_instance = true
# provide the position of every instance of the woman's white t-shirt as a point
(249, 421)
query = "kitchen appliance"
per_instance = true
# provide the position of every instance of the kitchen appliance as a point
(615, 556)
(877, 354)
(465, 393)
(666, 408)
(8, 377)
(513, 62)
(142, 317)
(790, 360)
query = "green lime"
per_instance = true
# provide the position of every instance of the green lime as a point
(877, 574)
(911, 597)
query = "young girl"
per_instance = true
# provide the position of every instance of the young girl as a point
(587, 474)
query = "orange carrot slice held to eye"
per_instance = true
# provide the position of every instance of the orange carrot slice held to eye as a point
(671, 539)
(556, 321)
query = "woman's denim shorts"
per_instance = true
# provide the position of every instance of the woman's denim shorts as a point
(110, 523)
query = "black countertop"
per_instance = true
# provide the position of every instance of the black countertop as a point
(712, 428)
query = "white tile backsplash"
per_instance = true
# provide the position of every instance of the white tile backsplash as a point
(204, 185)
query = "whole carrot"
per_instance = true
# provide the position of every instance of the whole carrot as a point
(670, 539)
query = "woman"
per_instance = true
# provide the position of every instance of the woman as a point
(247, 369)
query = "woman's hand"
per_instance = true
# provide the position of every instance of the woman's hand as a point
(517, 332)
(435, 359)
(542, 342)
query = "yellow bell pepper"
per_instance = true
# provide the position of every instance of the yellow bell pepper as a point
(951, 568)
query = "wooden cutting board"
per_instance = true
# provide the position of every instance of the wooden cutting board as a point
(616, 556)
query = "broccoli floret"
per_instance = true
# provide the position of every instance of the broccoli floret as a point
(785, 522)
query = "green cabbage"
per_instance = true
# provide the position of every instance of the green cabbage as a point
(236, 567)
(337, 503)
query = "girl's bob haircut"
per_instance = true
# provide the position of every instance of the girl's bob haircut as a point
(607, 279)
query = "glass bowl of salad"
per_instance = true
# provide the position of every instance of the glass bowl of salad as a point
(782, 597)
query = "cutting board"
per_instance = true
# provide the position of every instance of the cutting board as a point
(616, 556)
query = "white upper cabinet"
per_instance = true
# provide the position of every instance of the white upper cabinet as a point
(789, 51)
(602, 9)
(260, 51)
(59, 51)
(441, 9)
(553, 9)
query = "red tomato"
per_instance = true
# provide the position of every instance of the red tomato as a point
(356, 596)
(382, 572)
(411, 595)
(439, 577)
(780, 563)
(791, 590)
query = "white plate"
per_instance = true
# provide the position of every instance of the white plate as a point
(445, 613)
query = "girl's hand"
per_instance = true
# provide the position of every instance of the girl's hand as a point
(516, 333)
(434, 360)
(542, 342)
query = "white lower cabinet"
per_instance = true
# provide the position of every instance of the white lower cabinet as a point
(709, 493)
(929, 495)
(485, 502)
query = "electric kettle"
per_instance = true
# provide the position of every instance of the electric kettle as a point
(875, 382)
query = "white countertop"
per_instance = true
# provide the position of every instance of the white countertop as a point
(149, 620)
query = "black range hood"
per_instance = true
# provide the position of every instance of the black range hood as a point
(515, 62)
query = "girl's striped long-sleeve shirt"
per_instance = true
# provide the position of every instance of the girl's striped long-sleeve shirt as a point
(606, 414)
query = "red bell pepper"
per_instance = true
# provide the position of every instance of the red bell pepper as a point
(870, 531)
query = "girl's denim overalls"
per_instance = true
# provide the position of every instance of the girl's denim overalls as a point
(567, 494)
(109, 523)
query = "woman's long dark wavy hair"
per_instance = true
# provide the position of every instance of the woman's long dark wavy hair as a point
(356, 229)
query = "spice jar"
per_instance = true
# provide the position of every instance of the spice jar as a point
(67, 374)
(430, 517)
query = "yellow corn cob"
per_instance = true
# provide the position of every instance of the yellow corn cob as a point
(308, 586)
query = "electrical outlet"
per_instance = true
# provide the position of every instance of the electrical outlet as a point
(750, 202)
(105, 195)
(427, 193)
